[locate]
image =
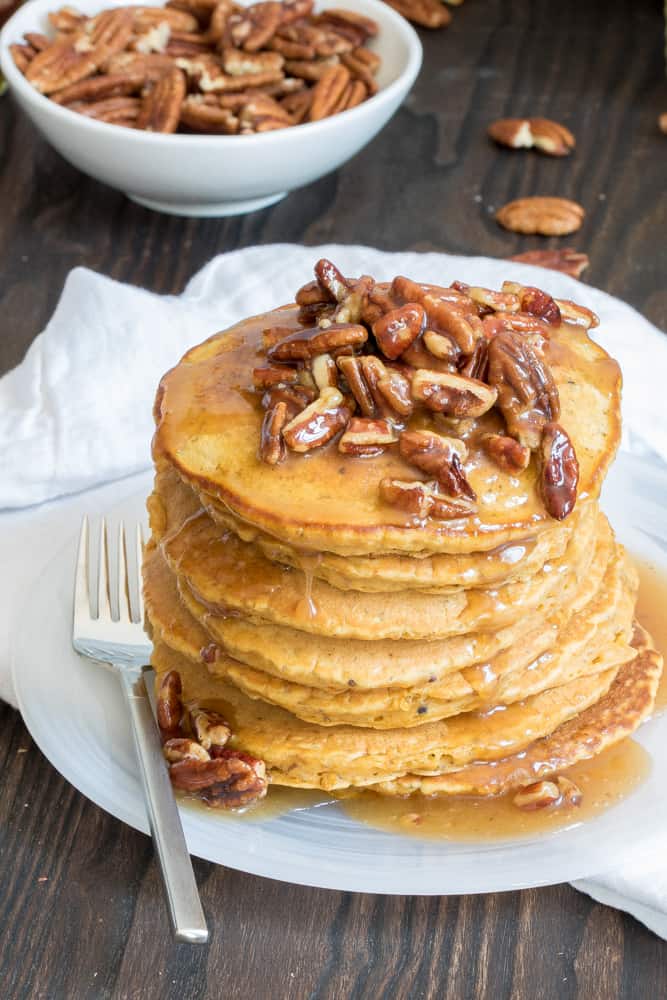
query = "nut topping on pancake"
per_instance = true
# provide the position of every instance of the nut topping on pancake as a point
(407, 355)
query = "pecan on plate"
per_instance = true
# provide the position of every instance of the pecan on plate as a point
(169, 704)
(580, 315)
(542, 216)
(181, 748)
(567, 261)
(506, 452)
(453, 395)
(424, 500)
(272, 446)
(533, 133)
(559, 472)
(570, 792)
(231, 779)
(318, 423)
(209, 727)
(308, 343)
(161, 107)
(538, 795)
(398, 328)
(426, 13)
(527, 394)
(365, 437)
(324, 371)
(534, 301)
(476, 364)
(351, 367)
(440, 457)
(295, 398)
(495, 301)
(394, 387)
(460, 322)
(270, 375)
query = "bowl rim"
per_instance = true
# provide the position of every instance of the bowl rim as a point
(16, 80)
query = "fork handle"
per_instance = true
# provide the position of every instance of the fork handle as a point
(185, 907)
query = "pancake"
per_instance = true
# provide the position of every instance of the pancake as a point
(613, 718)
(208, 422)
(594, 639)
(303, 754)
(228, 575)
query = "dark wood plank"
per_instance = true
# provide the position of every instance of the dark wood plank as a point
(81, 909)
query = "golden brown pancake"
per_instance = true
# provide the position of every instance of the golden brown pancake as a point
(208, 427)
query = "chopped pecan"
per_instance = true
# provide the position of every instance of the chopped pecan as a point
(463, 327)
(543, 216)
(324, 371)
(559, 472)
(398, 328)
(405, 290)
(366, 437)
(534, 301)
(573, 313)
(532, 326)
(424, 500)
(264, 378)
(161, 107)
(570, 792)
(426, 13)
(272, 446)
(181, 748)
(352, 306)
(506, 452)
(210, 728)
(309, 343)
(453, 395)
(539, 795)
(328, 91)
(169, 703)
(331, 280)
(441, 346)
(567, 261)
(229, 780)
(495, 301)
(318, 423)
(439, 457)
(533, 133)
(527, 394)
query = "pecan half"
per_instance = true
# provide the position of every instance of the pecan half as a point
(264, 378)
(199, 115)
(210, 728)
(534, 301)
(541, 215)
(527, 394)
(476, 364)
(439, 457)
(440, 346)
(58, 66)
(506, 452)
(352, 370)
(462, 325)
(394, 387)
(22, 55)
(161, 107)
(328, 91)
(366, 437)
(496, 301)
(295, 397)
(252, 27)
(566, 261)
(426, 13)
(424, 500)
(180, 748)
(169, 703)
(231, 779)
(271, 445)
(533, 133)
(331, 280)
(309, 343)
(559, 472)
(101, 87)
(573, 313)
(398, 328)
(236, 62)
(417, 355)
(318, 423)
(570, 792)
(453, 395)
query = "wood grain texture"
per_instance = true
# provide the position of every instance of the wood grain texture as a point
(81, 911)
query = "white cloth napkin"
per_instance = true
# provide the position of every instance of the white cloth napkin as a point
(76, 413)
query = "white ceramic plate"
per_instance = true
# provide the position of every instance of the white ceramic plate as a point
(74, 711)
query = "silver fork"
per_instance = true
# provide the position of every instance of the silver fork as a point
(120, 643)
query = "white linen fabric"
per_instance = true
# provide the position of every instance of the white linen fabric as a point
(76, 414)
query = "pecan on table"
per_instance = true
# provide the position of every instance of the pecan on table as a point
(542, 216)
(533, 133)
(567, 261)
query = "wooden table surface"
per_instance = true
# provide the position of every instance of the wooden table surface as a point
(81, 911)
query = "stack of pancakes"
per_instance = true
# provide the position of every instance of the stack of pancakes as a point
(350, 644)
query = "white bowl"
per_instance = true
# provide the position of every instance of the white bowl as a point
(215, 175)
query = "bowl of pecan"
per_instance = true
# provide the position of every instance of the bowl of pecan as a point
(209, 107)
